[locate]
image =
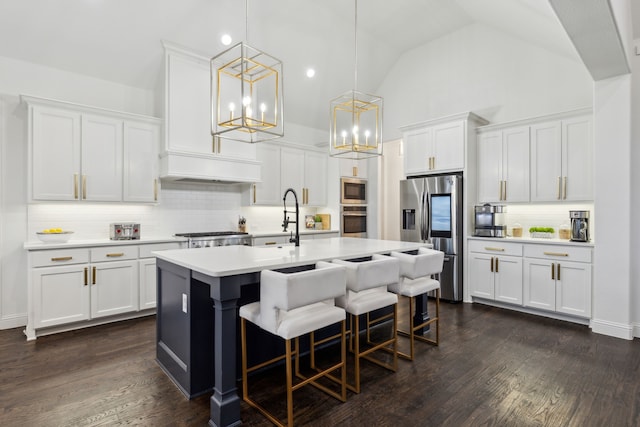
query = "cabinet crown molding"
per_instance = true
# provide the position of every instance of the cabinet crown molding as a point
(537, 119)
(31, 100)
(468, 116)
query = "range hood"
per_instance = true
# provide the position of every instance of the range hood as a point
(213, 168)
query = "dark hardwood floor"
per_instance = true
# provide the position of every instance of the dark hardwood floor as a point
(494, 367)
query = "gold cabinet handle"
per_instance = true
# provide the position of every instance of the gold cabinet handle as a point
(84, 187)
(62, 258)
(219, 145)
(355, 171)
(558, 274)
(75, 186)
(489, 248)
(491, 264)
(86, 273)
(555, 254)
(93, 282)
(307, 202)
(213, 144)
(155, 190)
(559, 188)
(564, 187)
(504, 190)
(553, 271)
(115, 254)
(497, 270)
(270, 243)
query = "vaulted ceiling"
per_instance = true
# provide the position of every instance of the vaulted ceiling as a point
(120, 40)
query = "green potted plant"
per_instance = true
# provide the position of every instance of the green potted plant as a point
(318, 220)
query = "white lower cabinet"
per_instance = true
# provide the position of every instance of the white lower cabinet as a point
(70, 287)
(558, 278)
(60, 295)
(495, 271)
(554, 278)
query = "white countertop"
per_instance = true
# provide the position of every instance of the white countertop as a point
(538, 241)
(231, 260)
(38, 245)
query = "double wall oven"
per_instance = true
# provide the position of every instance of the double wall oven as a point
(353, 207)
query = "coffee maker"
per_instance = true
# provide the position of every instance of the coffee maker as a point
(490, 220)
(579, 226)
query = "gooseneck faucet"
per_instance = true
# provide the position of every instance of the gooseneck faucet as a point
(286, 221)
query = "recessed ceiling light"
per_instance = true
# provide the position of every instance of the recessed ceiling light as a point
(225, 39)
(311, 72)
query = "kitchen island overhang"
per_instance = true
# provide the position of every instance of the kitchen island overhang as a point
(197, 312)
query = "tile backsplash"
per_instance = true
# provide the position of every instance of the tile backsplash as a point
(183, 208)
(545, 215)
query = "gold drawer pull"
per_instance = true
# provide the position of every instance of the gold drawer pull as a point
(93, 280)
(555, 254)
(62, 258)
(270, 243)
(489, 248)
(115, 255)
(86, 273)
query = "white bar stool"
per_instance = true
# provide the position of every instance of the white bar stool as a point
(367, 283)
(292, 305)
(415, 279)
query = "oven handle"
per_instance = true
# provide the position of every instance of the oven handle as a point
(353, 214)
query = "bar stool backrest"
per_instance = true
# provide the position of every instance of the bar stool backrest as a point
(287, 291)
(426, 263)
(380, 271)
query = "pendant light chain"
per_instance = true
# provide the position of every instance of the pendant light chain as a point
(246, 21)
(355, 45)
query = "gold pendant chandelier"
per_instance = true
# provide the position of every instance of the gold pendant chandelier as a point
(356, 118)
(246, 94)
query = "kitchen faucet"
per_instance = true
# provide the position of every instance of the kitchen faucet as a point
(286, 221)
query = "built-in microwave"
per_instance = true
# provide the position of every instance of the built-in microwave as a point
(353, 191)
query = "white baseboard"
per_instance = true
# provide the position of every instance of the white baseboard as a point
(613, 329)
(14, 321)
(636, 330)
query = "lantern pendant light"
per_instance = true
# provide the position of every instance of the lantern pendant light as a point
(355, 118)
(246, 94)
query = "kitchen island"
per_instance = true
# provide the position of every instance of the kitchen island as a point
(199, 291)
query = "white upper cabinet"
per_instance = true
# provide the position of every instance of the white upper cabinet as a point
(303, 169)
(438, 145)
(190, 150)
(140, 165)
(562, 160)
(54, 154)
(503, 165)
(267, 191)
(315, 178)
(448, 146)
(101, 158)
(79, 152)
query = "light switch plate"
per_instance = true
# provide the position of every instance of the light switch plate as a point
(184, 303)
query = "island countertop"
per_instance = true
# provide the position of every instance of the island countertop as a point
(224, 261)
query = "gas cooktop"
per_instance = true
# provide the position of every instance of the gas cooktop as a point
(211, 234)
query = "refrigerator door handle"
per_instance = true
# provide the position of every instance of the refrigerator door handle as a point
(426, 215)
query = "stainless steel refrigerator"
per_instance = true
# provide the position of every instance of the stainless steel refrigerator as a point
(431, 212)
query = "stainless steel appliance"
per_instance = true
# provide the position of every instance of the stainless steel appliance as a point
(489, 221)
(124, 231)
(431, 212)
(579, 226)
(353, 221)
(216, 238)
(353, 191)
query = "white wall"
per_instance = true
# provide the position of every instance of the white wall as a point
(480, 69)
(635, 194)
